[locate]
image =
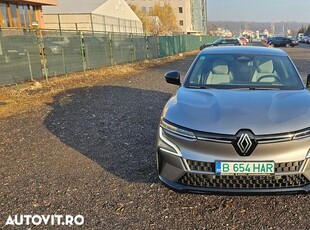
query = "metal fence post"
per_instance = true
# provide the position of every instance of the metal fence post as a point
(30, 68)
(167, 45)
(92, 23)
(158, 46)
(59, 23)
(42, 51)
(111, 48)
(132, 48)
(186, 44)
(174, 44)
(82, 48)
(146, 47)
(64, 61)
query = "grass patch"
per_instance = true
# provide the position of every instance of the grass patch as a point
(21, 98)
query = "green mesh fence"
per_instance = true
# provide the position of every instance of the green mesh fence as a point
(184, 43)
(163, 46)
(171, 45)
(19, 57)
(177, 44)
(152, 47)
(139, 47)
(64, 53)
(122, 48)
(192, 42)
(97, 50)
(30, 55)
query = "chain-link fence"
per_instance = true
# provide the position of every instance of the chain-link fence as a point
(31, 55)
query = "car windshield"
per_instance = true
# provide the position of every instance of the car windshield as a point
(238, 71)
(218, 40)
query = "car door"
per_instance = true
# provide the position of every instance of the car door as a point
(283, 42)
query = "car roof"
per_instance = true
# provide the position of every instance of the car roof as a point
(244, 50)
(229, 38)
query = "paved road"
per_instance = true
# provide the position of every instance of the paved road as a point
(91, 152)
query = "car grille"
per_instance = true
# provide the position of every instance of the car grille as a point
(201, 166)
(244, 181)
(288, 166)
(210, 166)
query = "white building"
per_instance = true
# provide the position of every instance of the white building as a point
(191, 15)
(92, 15)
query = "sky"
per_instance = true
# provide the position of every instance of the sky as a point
(259, 10)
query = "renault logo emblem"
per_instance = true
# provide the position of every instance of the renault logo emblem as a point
(244, 143)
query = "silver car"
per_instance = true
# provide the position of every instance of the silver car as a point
(240, 123)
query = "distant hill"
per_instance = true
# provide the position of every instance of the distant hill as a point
(235, 27)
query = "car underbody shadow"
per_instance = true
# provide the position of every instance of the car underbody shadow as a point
(114, 126)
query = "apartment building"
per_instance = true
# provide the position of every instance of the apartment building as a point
(23, 13)
(191, 15)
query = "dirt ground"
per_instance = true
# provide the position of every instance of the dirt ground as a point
(85, 145)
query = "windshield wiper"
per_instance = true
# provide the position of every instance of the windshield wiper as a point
(198, 87)
(264, 88)
(255, 88)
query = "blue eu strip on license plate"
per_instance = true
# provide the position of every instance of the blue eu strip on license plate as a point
(218, 167)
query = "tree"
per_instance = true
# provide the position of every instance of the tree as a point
(144, 17)
(301, 30)
(161, 21)
(167, 17)
(307, 32)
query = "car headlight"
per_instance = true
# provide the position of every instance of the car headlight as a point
(176, 151)
(176, 130)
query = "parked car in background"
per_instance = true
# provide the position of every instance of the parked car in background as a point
(223, 42)
(294, 41)
(282, 41)
(238, 123)
(307, 40)
(302, 39)
(266, 40)
(243, 40)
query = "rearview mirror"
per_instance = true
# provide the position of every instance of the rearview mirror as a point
(173, 77)
(308, 81)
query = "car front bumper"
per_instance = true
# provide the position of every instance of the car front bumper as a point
(173, 172)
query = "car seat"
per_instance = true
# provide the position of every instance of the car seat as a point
(220, 73)
(264, 68)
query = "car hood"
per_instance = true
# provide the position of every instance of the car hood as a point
(228, 111)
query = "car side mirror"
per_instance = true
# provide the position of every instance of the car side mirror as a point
(173, 77)
(308, 81)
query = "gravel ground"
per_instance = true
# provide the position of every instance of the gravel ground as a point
(91, 152)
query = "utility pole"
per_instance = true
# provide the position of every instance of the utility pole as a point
(205, 15)
(273, 28)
